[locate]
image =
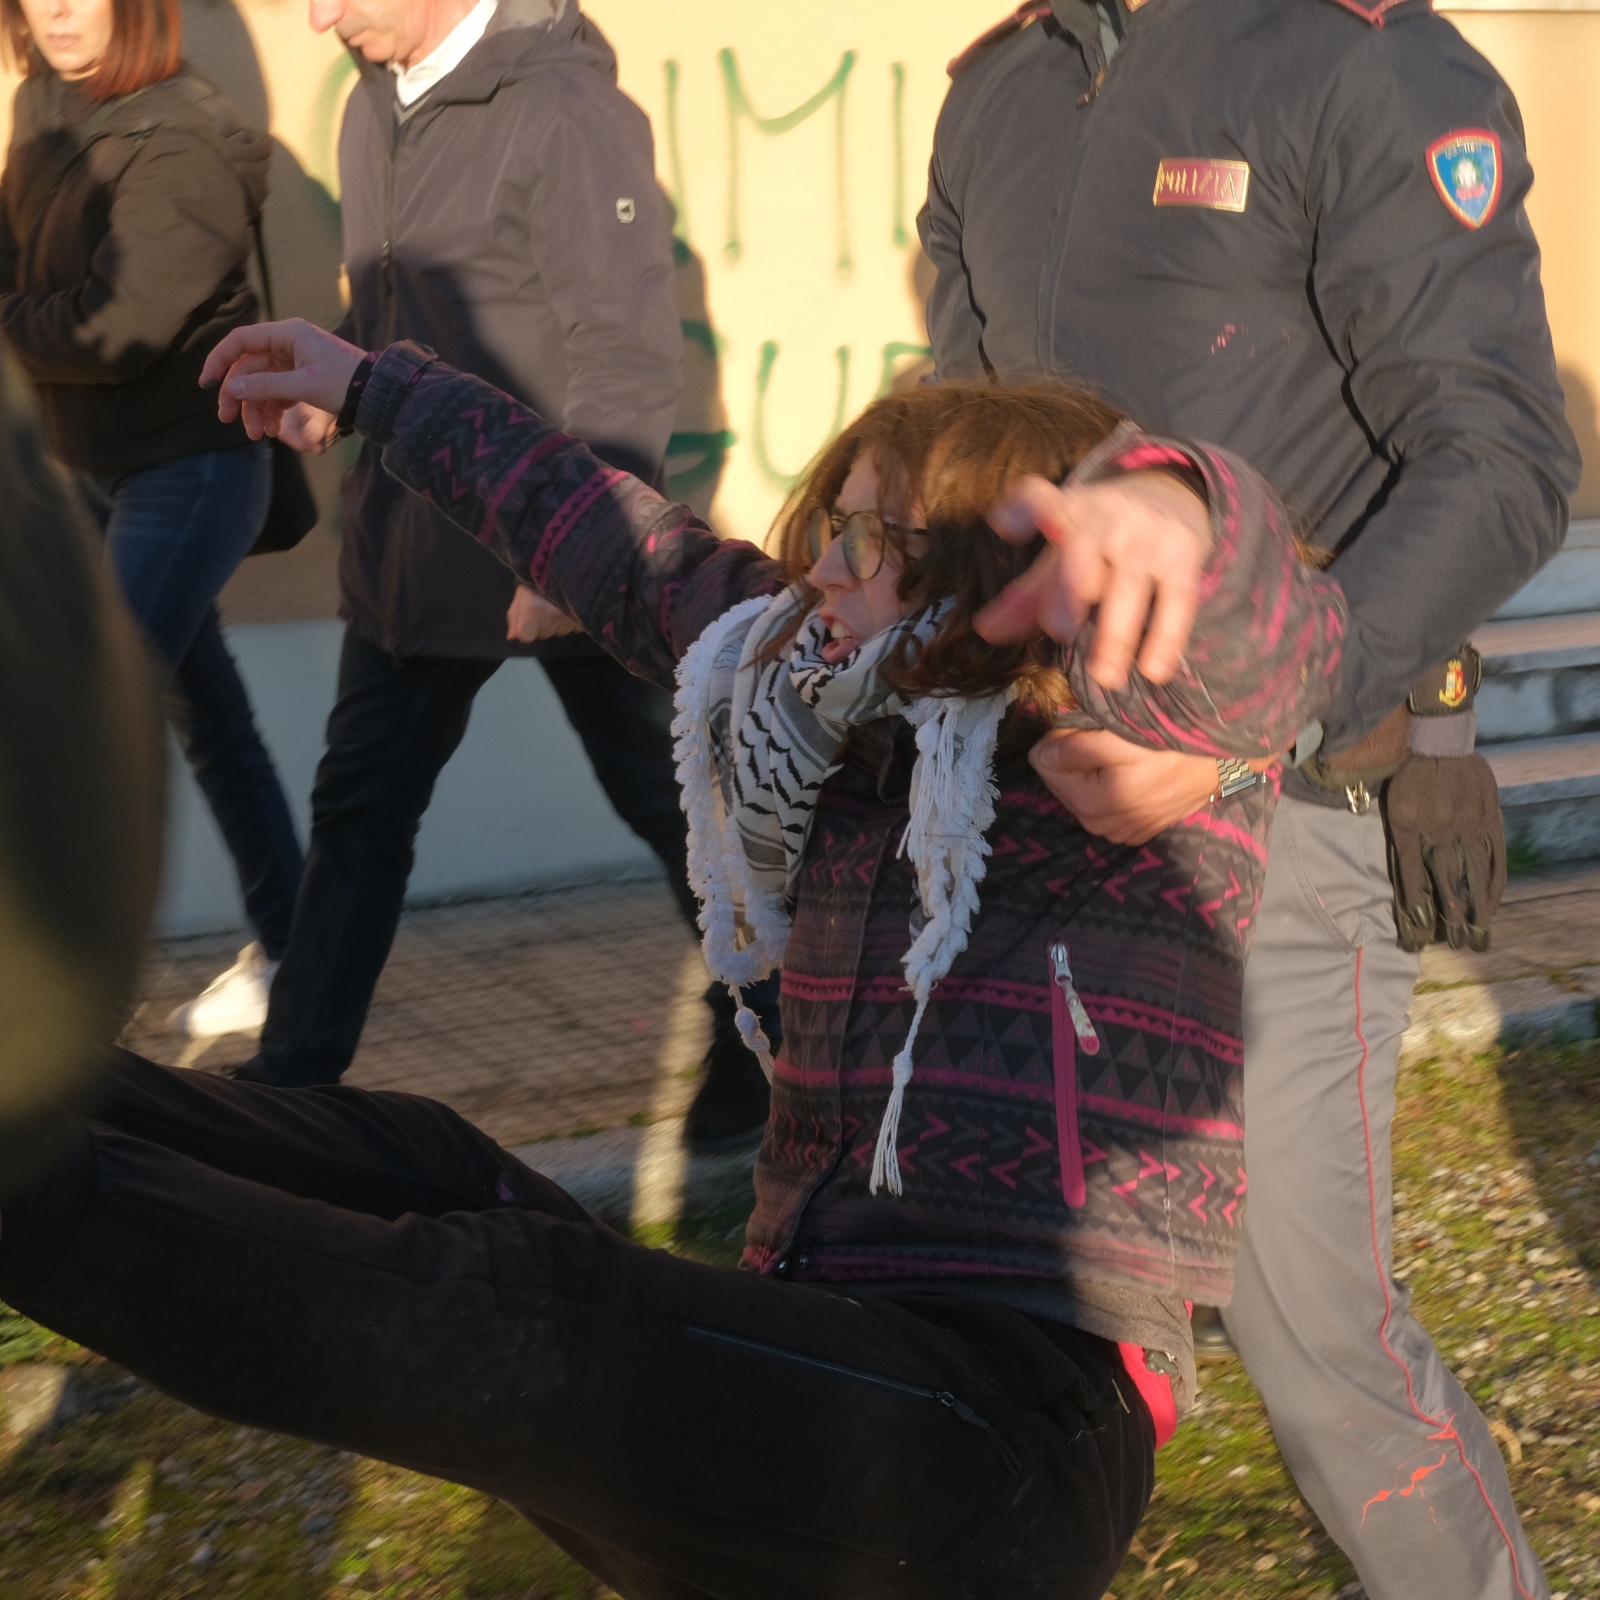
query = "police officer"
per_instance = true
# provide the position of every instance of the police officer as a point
(1296, 227)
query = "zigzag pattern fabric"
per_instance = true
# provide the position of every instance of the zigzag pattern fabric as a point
(1009, 1117)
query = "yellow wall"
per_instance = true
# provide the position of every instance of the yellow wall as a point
(800, 281)
(1552, 62)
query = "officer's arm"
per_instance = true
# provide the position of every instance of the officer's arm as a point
(954, 327)
(1441, 326)
(602, 245)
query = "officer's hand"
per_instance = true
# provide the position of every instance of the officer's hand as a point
(307, 429)
(1134, 546)
(265, 369)
(529, 618)
(1447, 850)
(1119, 790)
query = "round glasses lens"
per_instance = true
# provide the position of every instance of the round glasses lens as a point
(819, 534)
(862, 537)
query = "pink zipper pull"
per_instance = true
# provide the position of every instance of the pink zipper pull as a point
(1061, 971)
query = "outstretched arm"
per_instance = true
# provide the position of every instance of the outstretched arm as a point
(642, 575)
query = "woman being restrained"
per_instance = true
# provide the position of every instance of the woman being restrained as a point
(1005, 1142)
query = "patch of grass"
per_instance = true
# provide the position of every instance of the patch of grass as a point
(1497, 1232)
(20, 1340)
(640, 1119)
(1523, 858)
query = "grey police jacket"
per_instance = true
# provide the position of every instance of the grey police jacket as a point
(510, 219)
(1256, 227)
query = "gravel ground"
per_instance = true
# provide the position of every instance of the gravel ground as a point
(540, 1017)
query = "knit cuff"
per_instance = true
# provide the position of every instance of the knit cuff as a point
(391, 382)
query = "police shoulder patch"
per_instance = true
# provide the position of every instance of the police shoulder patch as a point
(1015, 23)
(1465, 168)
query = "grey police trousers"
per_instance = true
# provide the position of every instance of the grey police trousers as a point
(1383, 1442)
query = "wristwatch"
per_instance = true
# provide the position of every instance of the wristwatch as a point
(1233, 777)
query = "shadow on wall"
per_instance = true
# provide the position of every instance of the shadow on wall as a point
(1585, 423)
(697, 453)
(300, 230)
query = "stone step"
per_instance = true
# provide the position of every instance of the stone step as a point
(1571, 581)
(1550, 794)
(1541, 677)
(1477, 1017)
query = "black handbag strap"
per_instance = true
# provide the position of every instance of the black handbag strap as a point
(261, 263)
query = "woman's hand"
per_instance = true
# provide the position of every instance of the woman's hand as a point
(267, 369)
(530, 618)
(1134, 546)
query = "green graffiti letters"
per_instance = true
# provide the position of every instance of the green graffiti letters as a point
(740, 109)
(893, 352)
(897, 74)
(680, 187)
(777, 479)
(712, 449)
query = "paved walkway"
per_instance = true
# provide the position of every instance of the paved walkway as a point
(536, 1017)
(548, 1015)
(1549, 923)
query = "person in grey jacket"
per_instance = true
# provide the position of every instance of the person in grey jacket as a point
(1297, 228)
(500, 206)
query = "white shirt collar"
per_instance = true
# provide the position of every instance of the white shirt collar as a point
(412, 82)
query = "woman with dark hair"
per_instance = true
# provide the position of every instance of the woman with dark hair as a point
(127, 206)
(1005, 1137)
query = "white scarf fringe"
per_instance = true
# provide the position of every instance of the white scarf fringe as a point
(953, 793)
(746, 929)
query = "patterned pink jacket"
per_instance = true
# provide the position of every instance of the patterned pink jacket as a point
(1023, 1150)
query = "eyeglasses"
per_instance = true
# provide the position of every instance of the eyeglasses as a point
(861, 534)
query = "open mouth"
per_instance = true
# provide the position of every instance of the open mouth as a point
(841, 643)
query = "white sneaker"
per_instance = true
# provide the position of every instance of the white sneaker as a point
(234, 1003)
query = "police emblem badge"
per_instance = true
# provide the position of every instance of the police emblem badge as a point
(1465, 168)
(1455, 683)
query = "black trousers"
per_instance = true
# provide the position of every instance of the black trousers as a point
(392, 729)
(370, 1271)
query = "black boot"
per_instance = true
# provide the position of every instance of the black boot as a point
(730, 1108)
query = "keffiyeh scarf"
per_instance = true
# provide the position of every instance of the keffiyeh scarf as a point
(755, 741)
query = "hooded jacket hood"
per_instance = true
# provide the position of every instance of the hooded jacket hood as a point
(523, 37)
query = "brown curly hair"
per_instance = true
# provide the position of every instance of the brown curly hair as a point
(956, 448)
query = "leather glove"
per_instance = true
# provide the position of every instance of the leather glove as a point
(1447, 850)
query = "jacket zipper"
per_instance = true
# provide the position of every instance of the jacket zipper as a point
(389, 604)
(942, 1397)
(1070, 1030)
(386, 256)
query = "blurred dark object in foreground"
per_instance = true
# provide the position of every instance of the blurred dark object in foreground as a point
(81, 769)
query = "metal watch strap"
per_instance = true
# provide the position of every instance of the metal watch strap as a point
(1234, 776)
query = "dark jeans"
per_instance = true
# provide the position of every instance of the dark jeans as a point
(370, 1271)
(174, 535)
(393, 727)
